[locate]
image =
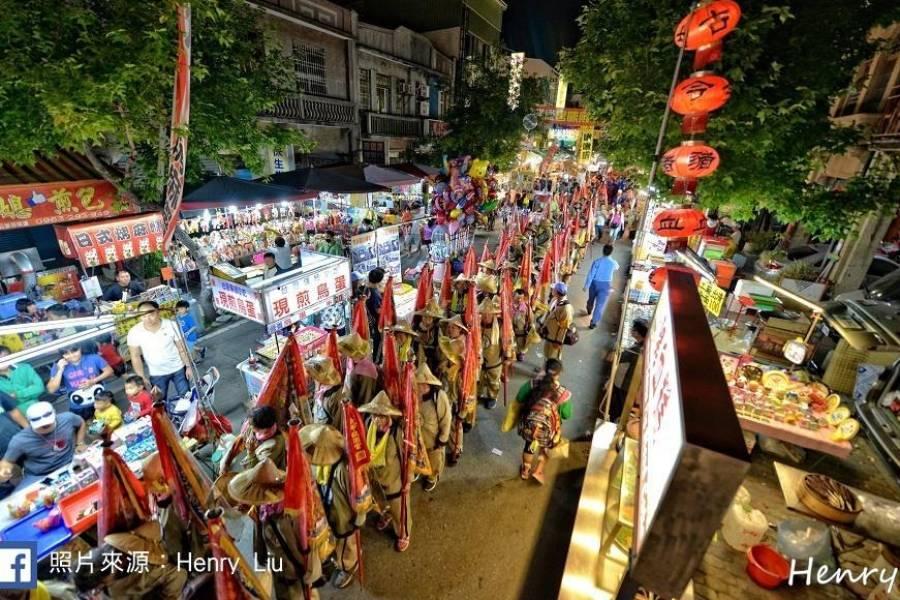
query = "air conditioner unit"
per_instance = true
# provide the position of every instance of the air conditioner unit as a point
(405, 88)
(423, 91)
(424, 109)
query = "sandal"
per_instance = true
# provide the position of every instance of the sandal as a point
(401, 544)
(523, 471)
(384, 521)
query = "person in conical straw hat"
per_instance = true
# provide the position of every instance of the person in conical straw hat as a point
(325, 446)
(178, 537)
(491, 353)
(460, 291)
(328, 396)
(486, 286)
(363, 377)
(275, 536)
(436, 418)
(158, 577)
(452, 350)
(426, 326)
(385, 439)
(405, 335)
(262, 440)
(488, 267)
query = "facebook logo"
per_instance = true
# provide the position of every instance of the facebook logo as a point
(18, 565)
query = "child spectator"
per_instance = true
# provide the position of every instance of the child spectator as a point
(139, 399)
(189, 328)
(106, 411)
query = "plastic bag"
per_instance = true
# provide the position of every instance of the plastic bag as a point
(560, 450)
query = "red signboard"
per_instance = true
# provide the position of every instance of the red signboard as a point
(112, 240)
(60, 202)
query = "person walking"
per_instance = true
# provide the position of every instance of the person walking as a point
(599, 223)
(158, 353)
(616, 223)
(436, 418)
(545, 403)
(557, 322)
(599, 283)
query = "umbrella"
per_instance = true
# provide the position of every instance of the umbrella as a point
(286, 384)
(470, 267)
(324, 180)
(425, 289)
(388, 316)
(360, 321)
(242, 584)
(190, 486)
(224, 191)
(123, 499)
(331, 351)
(390, 366)
(446, 285)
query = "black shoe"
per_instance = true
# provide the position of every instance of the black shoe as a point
(467, 427)
(592, 326)
(490, 403)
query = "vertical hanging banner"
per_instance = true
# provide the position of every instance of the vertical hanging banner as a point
(181, 109)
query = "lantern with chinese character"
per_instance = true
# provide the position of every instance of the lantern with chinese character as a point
(697, 96)
(679, 223)
(708, 24)
(704, 28)
(690, 160)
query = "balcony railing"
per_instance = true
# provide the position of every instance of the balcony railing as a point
(392, 125)
(886, 136)
(314, 109)
(435, 128)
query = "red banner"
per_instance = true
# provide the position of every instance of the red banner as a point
(58, 202)
(109, 241)
(181, 109)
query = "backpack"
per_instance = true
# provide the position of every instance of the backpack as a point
(541, 423)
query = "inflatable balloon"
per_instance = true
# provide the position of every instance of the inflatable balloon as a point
(454, 214)
(453, 227)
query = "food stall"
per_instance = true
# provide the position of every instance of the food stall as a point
(297, 301)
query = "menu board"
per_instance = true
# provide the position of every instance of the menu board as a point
(363, 254)
(307, 294)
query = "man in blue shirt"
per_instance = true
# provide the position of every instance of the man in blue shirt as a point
(599, 283)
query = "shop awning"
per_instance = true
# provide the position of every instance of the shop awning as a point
(221, 192)
(385, 176)
(417, 169)
(324, 180)
(55, 189)
(103, 242)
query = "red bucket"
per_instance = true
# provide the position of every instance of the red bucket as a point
(766, 567)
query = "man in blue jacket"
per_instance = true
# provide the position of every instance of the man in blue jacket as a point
(599, 283)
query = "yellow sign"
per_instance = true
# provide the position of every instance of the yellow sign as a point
(712, 296)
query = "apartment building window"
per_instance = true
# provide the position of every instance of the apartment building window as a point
(373, 152)
(402, 97)
(382, 93)
(309, 66)
(365, 89)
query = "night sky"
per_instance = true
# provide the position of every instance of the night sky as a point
(540, 28)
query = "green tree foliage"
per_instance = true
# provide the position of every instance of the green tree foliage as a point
(787, 61)
(82, 75)
(481, 122)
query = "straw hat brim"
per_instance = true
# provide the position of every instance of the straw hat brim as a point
(405, 329)
(326, 442)
(424, 375)
(380, 405)
(457, 321)
(263, 484)
(354, 346)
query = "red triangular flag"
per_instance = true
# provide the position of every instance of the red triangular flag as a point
(446, 285)
(331, 351)
(390, 366)
(425, 289)
(485, 253)
(242, 584)
(470, 266)
(388, 316)
(286, 384)
(123, 500)
(360, 321)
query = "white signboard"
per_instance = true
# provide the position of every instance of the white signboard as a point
(237, 299)
(298, 298)
(362, 253)
(388, 243)
(662, 426)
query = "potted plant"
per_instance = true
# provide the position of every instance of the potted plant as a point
(760, 241)
(800, 277)
(153, 263)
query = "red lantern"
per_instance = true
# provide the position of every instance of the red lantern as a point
(679, 223)
(692, 159)
(708, 24)
(700, 93)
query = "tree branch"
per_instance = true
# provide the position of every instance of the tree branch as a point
(108, 175)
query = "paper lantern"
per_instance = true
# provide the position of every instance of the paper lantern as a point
(679, 223)
(708, 24)
(690, 160)
(700, 93)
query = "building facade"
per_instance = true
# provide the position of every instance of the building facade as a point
(405, 87)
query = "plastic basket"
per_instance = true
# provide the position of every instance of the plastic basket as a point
(24, 530)
(72, 505)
